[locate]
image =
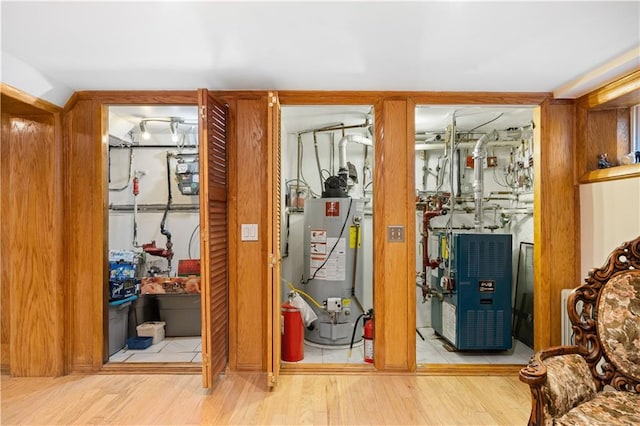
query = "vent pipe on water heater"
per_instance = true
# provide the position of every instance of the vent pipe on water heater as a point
(342, 147)
(479, 153)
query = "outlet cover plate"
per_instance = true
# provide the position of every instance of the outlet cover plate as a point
(395, 233)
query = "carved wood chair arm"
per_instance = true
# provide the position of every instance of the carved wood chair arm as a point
(535, 373)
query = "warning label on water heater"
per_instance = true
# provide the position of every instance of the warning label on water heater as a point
(332, 208)
(321, 246)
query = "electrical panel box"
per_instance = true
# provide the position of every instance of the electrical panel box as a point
(187, 174)
(474, 312)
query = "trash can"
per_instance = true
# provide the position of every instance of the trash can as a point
(119, 323)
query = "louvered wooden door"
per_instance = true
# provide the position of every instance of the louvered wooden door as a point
(274, 189)
(213, 236)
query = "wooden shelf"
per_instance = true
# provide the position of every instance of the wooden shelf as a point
(612, 173)
(604, 125)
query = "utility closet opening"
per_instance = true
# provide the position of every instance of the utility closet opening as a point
(474, 234)
(327, 242)
(154, 241)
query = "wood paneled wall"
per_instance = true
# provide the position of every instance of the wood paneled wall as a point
(32, 238)
(394, 274)
(85, 219)
(5, 288)
(556, 218)
(84, 260)
(248, 163)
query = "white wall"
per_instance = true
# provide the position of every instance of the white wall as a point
(609, 216)
(25, 77)
(153, 190)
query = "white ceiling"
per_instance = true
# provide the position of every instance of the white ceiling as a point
(51, 49)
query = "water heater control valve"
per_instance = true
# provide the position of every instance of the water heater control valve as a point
(334, 304)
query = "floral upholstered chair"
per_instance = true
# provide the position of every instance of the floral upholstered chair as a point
(597, 381)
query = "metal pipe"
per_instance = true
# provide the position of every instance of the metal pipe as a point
(479, 153)
(298, 166)
(464, 145)
(153, 207)
(157, 147)
(163, 230)
(315, 148)
(126, 185)
(516, 210)
(334, 128)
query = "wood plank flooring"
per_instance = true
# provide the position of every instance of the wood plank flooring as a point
(243, 399)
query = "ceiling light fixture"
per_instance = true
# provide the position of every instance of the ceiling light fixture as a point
(173, 127)
(143, 129)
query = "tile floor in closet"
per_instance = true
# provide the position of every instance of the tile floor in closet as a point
(171, 349)
(432, 350)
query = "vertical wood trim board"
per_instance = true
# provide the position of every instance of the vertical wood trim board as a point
(5, 249)
(556, 224)
(249, 289)
(85, 238)
(394, 189)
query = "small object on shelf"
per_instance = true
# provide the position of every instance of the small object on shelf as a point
(628, 159)
(637, 156)
(603, 161)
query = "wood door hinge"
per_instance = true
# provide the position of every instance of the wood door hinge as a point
(202, 112)
(272, 260)
(272, 99)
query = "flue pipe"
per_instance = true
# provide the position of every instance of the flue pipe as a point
(479, 153)
(342, 148)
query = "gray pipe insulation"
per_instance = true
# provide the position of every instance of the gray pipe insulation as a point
(479, 153)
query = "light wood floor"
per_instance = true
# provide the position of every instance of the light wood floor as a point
(243, 399)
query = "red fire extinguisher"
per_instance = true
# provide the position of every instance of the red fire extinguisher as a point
(292, 341)
(368, 337)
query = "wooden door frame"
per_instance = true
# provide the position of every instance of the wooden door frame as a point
(101, 101)
(543, 238)
(87, 357)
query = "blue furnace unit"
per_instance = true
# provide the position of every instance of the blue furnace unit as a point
(474, 312)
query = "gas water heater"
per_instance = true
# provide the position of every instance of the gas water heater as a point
(333, 268)
(471, 303)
